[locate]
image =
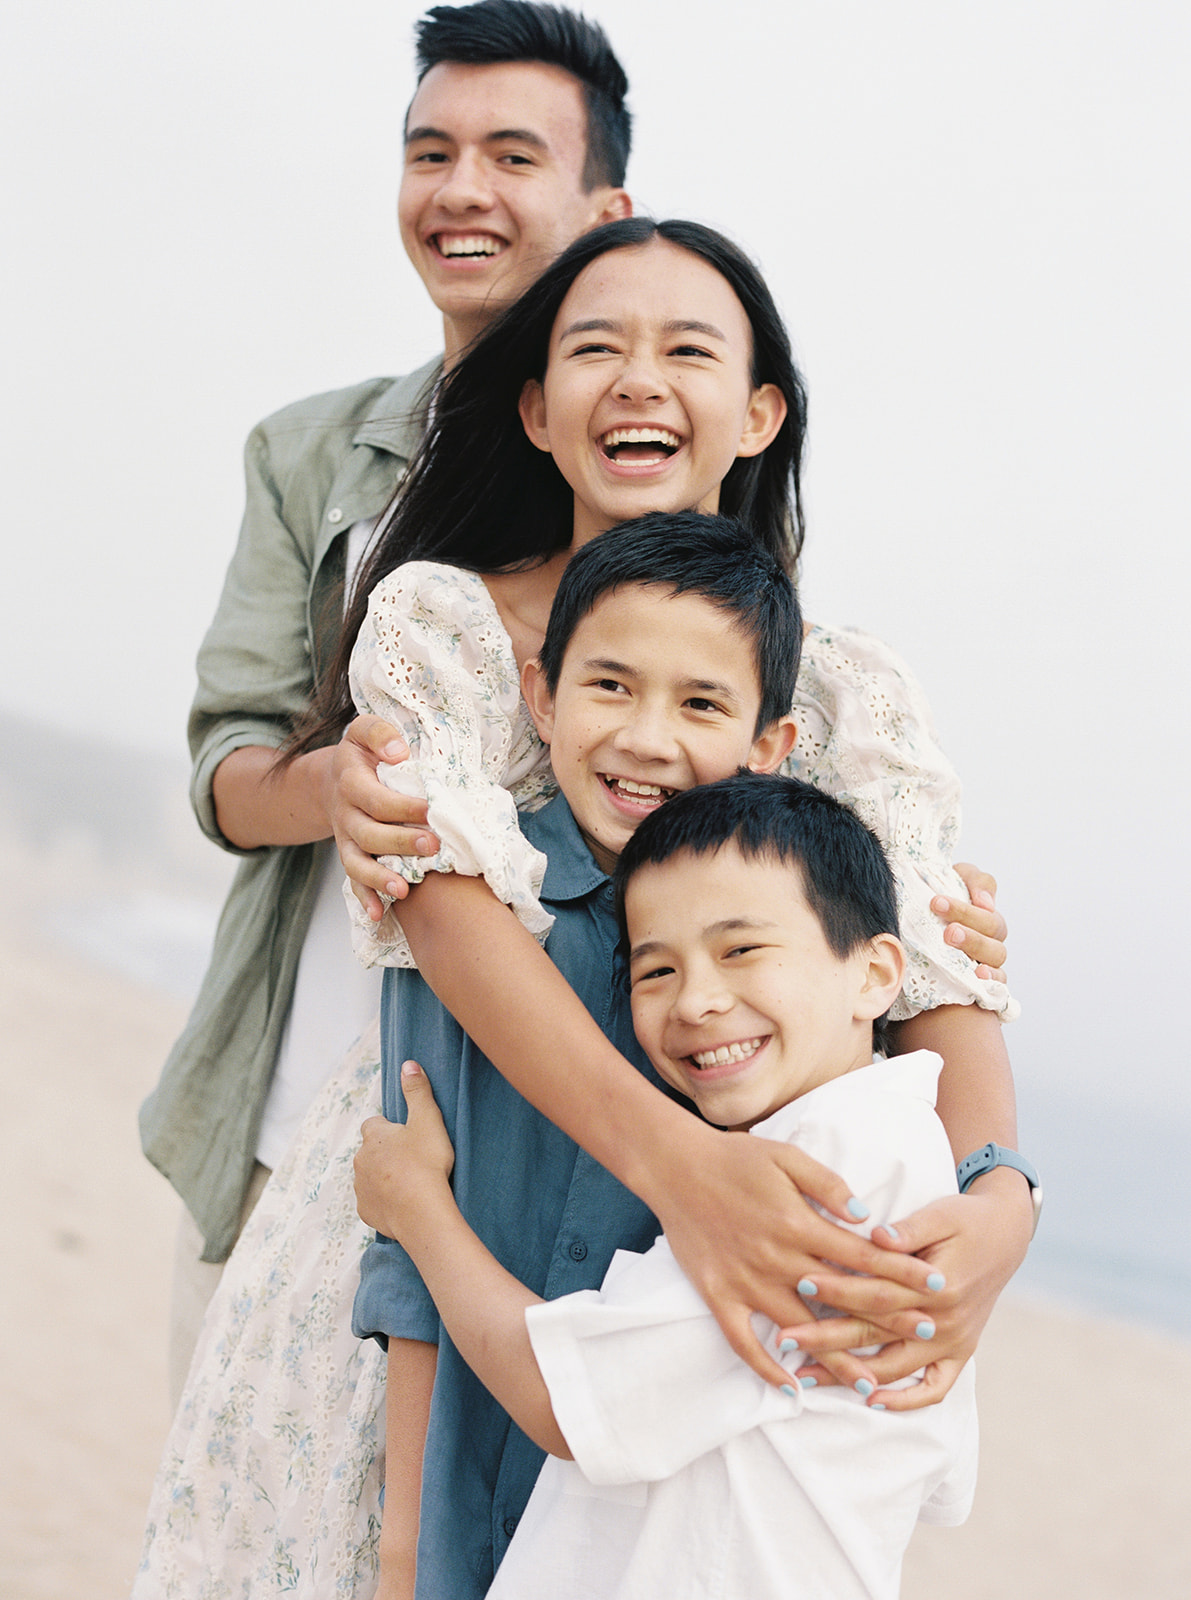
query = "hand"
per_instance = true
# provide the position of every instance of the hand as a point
(370, 820)
(975, 925)
(974, 1243)
(403, 1169)
(740, 1226)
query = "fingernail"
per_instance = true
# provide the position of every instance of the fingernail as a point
(936, 1281)
(789, 1390)
(925, 1330)
(809, 1383)
(410, 1069)
(787, 1345)
(877, 1407)
(423, 845)
(891, 1230)
(857, 1209)
(863, 1387)
(940, 906)
(807, 1288)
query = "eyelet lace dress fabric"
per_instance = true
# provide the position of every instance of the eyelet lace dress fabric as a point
(270, 1479)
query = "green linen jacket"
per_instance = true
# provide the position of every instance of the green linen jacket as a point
(312, 470)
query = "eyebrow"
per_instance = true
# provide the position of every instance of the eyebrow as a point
(676, 325)
(622, 669)
(498, 136)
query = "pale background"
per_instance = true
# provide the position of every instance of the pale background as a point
(975, 219)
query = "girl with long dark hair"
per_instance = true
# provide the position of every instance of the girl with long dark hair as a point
(648, 369)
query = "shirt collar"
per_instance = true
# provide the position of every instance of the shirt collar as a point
(915, 1074)
(571, 870)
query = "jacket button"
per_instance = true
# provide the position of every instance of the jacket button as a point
(335, 515)
(578, 1251)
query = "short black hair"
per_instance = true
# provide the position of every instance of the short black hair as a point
(688, 552)
(521, 30)
(845, 876)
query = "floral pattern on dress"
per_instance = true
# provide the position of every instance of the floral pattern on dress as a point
(271, 1476)
(270, 1479)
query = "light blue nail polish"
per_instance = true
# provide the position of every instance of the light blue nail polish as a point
(877, 1407)
(787, 1345)
(790, 1391)
(863, 1387)
(808, 1383)
(891, 1230)
(925, 1330)
(857, 1209)
(935, 1282)
(807, 1289)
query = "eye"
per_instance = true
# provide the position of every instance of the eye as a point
(591, 350)
(649, 973)
(693, 350)
(514, 158)
(609, 685)
(699, 703)
(427, 158)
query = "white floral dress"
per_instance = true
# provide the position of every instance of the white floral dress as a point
(270, 1479)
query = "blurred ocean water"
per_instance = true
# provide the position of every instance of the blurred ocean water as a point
(120, 874)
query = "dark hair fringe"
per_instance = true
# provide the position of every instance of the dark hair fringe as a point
(493, 31)
(688, 552)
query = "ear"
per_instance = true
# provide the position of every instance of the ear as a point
(765, 415)
(772, 745)
(883, 972)
(532, 410)
(538, 699)
(609, 205)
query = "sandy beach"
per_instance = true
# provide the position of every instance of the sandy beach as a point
(1086, 1425)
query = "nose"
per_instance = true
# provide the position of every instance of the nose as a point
(465, 185)
(700, 995)
(641, 380)
(647, 733)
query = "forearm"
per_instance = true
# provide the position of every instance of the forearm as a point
(976, 1101)
(258, 803)
(483, 1309)
(546, 1044)
(408, 1389)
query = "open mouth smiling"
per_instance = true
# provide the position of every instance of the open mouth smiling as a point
(725, 1055)
(467, 246)
(646, 795)
(640, 444)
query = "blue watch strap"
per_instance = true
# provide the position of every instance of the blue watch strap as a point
(990, 1156)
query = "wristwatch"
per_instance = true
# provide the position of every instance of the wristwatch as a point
(995, 1155)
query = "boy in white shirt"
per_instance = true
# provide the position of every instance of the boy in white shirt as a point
(760, 922)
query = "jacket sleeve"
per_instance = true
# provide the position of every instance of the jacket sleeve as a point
(254, 666)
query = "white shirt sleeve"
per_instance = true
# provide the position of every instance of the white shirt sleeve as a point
(433, 658)
(866, 736)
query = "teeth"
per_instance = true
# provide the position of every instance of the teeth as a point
(740, 1051)
(661, 436)
(468, 244)
(639, 791)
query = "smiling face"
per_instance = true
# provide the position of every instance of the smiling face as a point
(738, 999)
(658, 692)
(648, 395)
(492, 188)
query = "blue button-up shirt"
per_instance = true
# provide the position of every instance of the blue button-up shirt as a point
(545, 1209)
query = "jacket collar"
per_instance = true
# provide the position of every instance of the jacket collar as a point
(397, 417)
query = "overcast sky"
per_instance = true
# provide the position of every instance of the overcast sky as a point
(975, 219)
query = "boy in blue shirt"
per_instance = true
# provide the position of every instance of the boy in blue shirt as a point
(669, 661)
